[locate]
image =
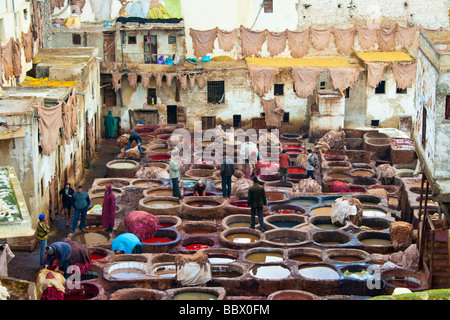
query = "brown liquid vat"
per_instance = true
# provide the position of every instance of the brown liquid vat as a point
(241, 238)
(146, 204)
(210, 207)
(305, 255)
(218, 292)
(292, 295)
(138, 294)
(332, 238)
(290, 219)
(115, 182)
(158, 192)
(345, 256)
(285, 238)
(122, 168)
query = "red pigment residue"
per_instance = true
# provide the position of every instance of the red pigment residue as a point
(95, 256)
(293, 151)
(165, 225)
(286, 211)
(157, 240)
(197, 246)
(356, 190)
(240, 204)
(291, 147)
(78, 296)
(160, 157)
(296, 170)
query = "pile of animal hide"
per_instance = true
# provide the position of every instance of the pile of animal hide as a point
(379, 192)
(269, 139)
(143, 224)
(175, 140)
(305, 186)
(240, 188)
(334, 139)
(401, 234)
(151, 172)
(346, 209)
(122, 141)
(407, 259)
(132, 153)
(385, 173)
(339, 186)
(193, 269)
(301, 160)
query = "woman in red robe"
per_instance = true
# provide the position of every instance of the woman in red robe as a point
(108, 208)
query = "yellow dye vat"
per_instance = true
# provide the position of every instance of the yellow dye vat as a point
(45, 83)
(384, 56)
(298, 62)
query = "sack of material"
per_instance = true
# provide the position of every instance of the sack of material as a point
(193, 269)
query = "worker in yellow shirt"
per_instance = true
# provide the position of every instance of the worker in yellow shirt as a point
(43, 230)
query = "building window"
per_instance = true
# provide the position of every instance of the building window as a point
(286, 117)
(208, 122)
(268, 6)
(151, 96)
(424, 126)
(236, 120)
(381, 88)
(132, 39)
(447, 108)
(401, 91)
(347, 93)
(76, 39)
(278, 89)
(323, 85)
(172, 116)
(216, 91)
(172, 39)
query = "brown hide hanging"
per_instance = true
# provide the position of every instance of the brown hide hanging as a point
(367, 37)
(203, 41)
(298, 43)
(251, 41)
(273, 113)
(145, 79)
(404, 74)
(262, 78)
(344, 39)
(305, 80)
(132, 79)
(375, 71)
(169, 78)
(320, 38)
(276, 42)
(201, 82)
(386, 38)
(117, 80)
(27, 43)
(405, 36)
(50, 121)
(183, 81)
(74, 104)
(226, 39)
(342, 78)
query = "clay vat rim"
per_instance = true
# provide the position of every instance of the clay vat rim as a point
(340, 233)
(139, 291)
(294, 292)
(282, 264)
(219, 292)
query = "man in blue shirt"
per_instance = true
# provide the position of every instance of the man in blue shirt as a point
(135, 137)
(81, 204)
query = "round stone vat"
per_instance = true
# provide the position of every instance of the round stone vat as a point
(320, 211)
(362, 165)
(159, 142)
(158, 149)
(287, 209)
(190, 193)
(368, 199)
(137, 294)
(341, 176)
(125, 271)
(374, 212)
(163, 258)
(203, 207)
(189, 183)
(158, 192)
(237, 207)
(203, 166)
(404, 278)
(227, 271)
(346, 256)
(278, 184)
(264, 255)
(375, 241)
(356, 278)
(305, 201)
(296, 172)
(164, 136)
(222, 255)
(171, 127)
(285, 221)
(375, 135)
(199, 227)
(275, 197)
(159, 157)
(379, 146)
(324, 223)
(162, 241)
(92, 238)
(204, 174)
(87, 290)
(164, 270)
(217, 184)
(362, 173)
(335, 157)
(319, 272)
(364, 182)
(272, 271)
(305, 255)
(285, 238)
(337, 166)
(263, 178)
(196, 293)
(158, 164)
(241, 238)
(100, 192)
(146, 183)
(331, 238)
(392, 190)
(197, 242)
(430, 203)
(375, 224)
(291, 137)
(99, 254)
(122, 168)
(327, 182)
(404, 172)
(129, 258)
(328, 200)
(237, 221)
(115, 183)
(169, 222)
(160, 205)
(292, 295)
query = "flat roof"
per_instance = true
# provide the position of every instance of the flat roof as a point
(11, 107)
(299, 62)
(48, 93)
(383, 56)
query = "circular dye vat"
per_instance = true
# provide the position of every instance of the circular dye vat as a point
(362, 173)
(284, 223)
(194, 295)
(199, 231)
(159, 193)
(290, 146)
(242, 238)
(225, 271)
(305, 258)
(263, 257)
(159, 157)
(321, 211)
(122, 165)
(127, 270)
(275, 196)
(218, 258)
(373, 213)
(203, 204)
(146, 184)
(338, 175)
(94, 228)
(160, 150)
(272, 272)
(197, 246)
(329, 200)
(319, 273)
(240, 203)
(326, 226)
(376, 242)
(96, 256)
(346, 258)
(238, 225)
(79, 296)
(404, 282)
(161, 203)
(90, 238)
(287, 211)
(157, 240)
(189, 183)
(165, 225)
(305, 201)
(165, 271)
(296, 170)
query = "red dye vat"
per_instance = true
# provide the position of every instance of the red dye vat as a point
(286, 211)
(78, 296)
(165, 225)
(157, 240)
(197, 246)
(293, 151)
(160, 157)
(356, 190)
(291, 147)
(296, 170)
(96, 256)
(240, 204)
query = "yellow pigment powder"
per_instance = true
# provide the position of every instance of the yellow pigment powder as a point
(383, 56)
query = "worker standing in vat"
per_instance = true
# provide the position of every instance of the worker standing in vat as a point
(200, 189)
(256, 200)
(108, 208)
(42, 231)
(81, 204)
(134, 136)
(284, 160)
(58, 256)
(174, 173)
(66, 195)
(311, 164)
(226, 171)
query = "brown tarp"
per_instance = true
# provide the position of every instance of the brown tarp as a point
(405, 36)
(226, 39)
(192, 80)
(273, 112)
(404, 74)
(117, 80)
(132, 79)
(305, 80)
(344, 39)
(145, 79)
(386, 38)
(183, 81)
(375, 71)
(298, 42)
(27, 43)
(276, 42)
(201, 82)
(320, 38)
(262, 78)
(251, 41)
(342, 78)
(169, 78)
(50, 121)
(203, 41)
(367, 37)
